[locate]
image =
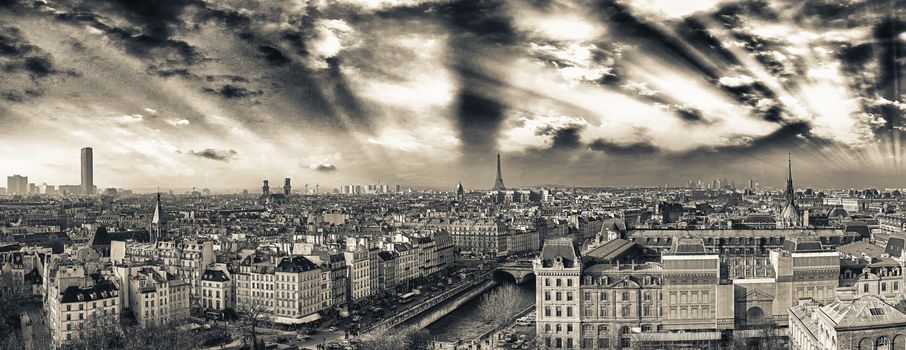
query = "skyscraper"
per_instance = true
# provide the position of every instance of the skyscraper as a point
(498, 183)
(87, 171)
(17, 184)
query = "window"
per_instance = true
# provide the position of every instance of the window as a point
(569, 296)
(569, 311)
(569, 282)
(882, 343)
(547, 311)
(603, 296)
(603, 343)
(559, 283)
(547, 282)
(559, 296)
(602, 330)
(876, 311)
(625, 296)
(883, 286)
(865, 288)
(547, 295)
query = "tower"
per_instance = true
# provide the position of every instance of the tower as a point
(265, 188)
(790, 190)
(460, 193)
(789, 216)
(87, 171)
(498, 183)
(287, 188)
(158, 219)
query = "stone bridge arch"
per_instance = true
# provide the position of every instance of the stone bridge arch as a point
(517, 275)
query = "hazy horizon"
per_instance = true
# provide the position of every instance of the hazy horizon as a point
(223, 94)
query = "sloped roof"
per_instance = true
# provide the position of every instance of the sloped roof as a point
(102, 289)
(688, 246)
(214, 275)
(612, 250)
(867, 311)
(613, 224)
(563, 248)
(858, 227)
(858, 248)
(102, 237)
(296, 264)
(802, 244)
(895, 244)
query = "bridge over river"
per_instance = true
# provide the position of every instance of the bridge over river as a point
(462, 299)
(521, 271)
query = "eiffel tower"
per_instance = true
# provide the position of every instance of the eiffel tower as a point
(498, 184)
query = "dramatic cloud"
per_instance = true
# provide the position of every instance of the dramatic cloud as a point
(215, 154)
(324, 168)
(426, 92)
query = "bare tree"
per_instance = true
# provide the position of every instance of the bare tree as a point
(172, 335)
(13, 297)
(498, 306)
(250, 318)
(538, 342)
(409, 338)
(767, 339)
(100, 332)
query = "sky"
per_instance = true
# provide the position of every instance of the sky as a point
(223, 94)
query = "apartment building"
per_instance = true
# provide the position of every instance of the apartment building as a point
(79, 300)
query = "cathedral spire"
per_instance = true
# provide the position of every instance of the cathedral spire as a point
(790, 190)
(498, 183)
(789, 215)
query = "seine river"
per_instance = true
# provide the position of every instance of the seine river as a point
(465, 322)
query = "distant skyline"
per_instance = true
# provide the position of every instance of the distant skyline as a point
(223, 94)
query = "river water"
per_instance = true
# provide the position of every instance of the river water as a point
(465, 322)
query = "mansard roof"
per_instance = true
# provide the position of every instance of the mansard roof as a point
(562, 248)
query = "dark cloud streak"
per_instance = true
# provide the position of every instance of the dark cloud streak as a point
(215, 154)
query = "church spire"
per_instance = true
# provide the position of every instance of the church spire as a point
(790, 190)
(789, 215)
(498, 183)
(157, 220)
